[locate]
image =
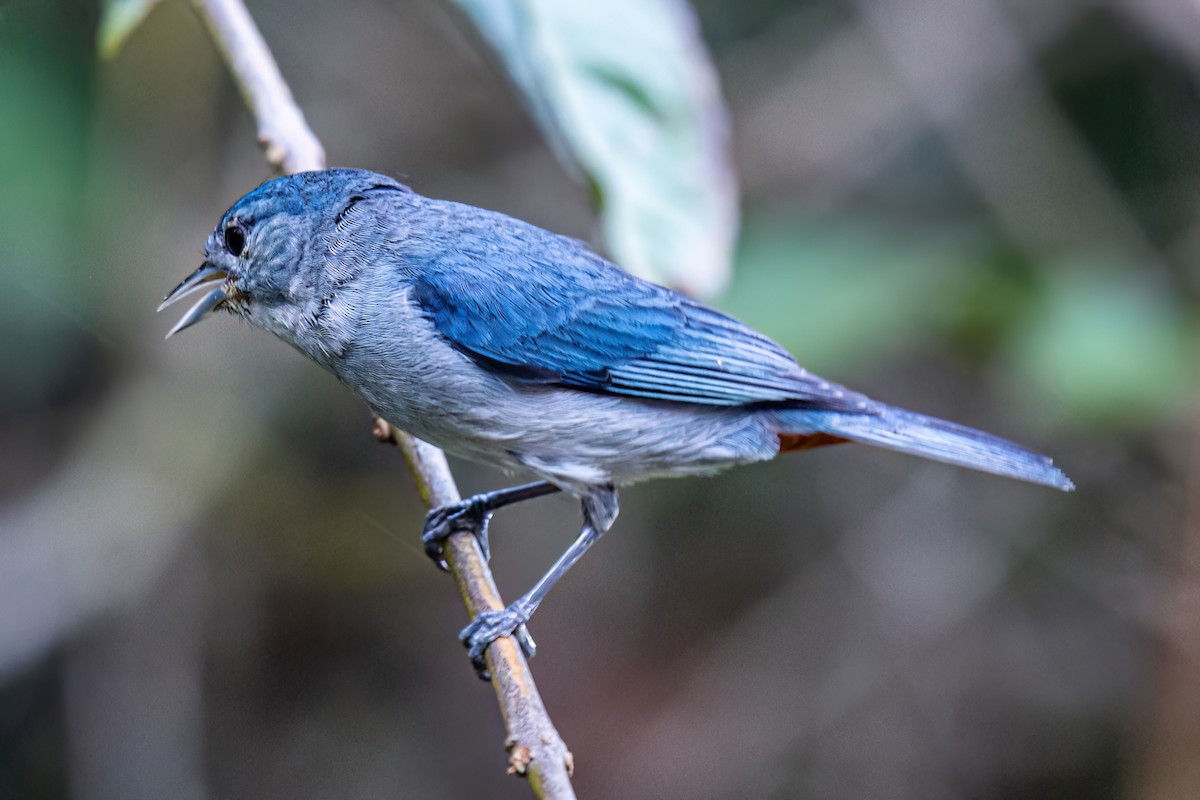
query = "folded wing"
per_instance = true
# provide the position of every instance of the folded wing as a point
(557, 313)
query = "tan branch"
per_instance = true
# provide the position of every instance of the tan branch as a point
(536, 751)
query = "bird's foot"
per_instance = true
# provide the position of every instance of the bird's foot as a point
(490, 626)
(470, 516)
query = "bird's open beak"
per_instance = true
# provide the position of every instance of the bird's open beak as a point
(202, 278)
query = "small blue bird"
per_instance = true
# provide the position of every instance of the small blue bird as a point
(504, 343)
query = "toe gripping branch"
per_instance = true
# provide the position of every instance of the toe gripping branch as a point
(599, 511)
(472, 516)
(490, 626)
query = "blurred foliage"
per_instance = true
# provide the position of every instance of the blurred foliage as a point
(1086, 344)
(1133, 106)
(798, 282)
(1104, 350)
(45, 94)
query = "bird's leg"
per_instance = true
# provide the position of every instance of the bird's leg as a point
(599, 511)
(472, 515)
(491, 625)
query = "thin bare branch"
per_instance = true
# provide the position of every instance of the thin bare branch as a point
(289, 144)
(536, 751)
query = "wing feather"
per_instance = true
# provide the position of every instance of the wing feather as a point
(539, 307)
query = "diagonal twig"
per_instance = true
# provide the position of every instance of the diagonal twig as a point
(288, 142)
(536, 751)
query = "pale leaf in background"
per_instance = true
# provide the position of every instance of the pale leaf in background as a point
(118, 19)
(628, 97)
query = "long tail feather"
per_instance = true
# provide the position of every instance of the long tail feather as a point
(929, 437)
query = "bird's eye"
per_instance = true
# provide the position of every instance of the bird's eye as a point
(235, 239)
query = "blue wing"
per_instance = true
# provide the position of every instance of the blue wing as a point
(540, 307)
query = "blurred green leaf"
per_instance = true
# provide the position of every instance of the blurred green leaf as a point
(1108, 348)
(46, 304)
(118, 20)
(626, 94)
(837, 295)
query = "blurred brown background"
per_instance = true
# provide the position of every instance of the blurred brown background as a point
(211, 583)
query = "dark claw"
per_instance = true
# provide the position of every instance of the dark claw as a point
(490, 626)
(441, 523)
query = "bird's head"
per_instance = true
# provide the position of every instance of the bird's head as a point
(265, 259)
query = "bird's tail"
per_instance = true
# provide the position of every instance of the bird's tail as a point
(897, 429)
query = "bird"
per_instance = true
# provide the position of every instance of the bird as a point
(504, 343)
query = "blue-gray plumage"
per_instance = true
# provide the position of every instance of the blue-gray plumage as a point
(501, 342)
